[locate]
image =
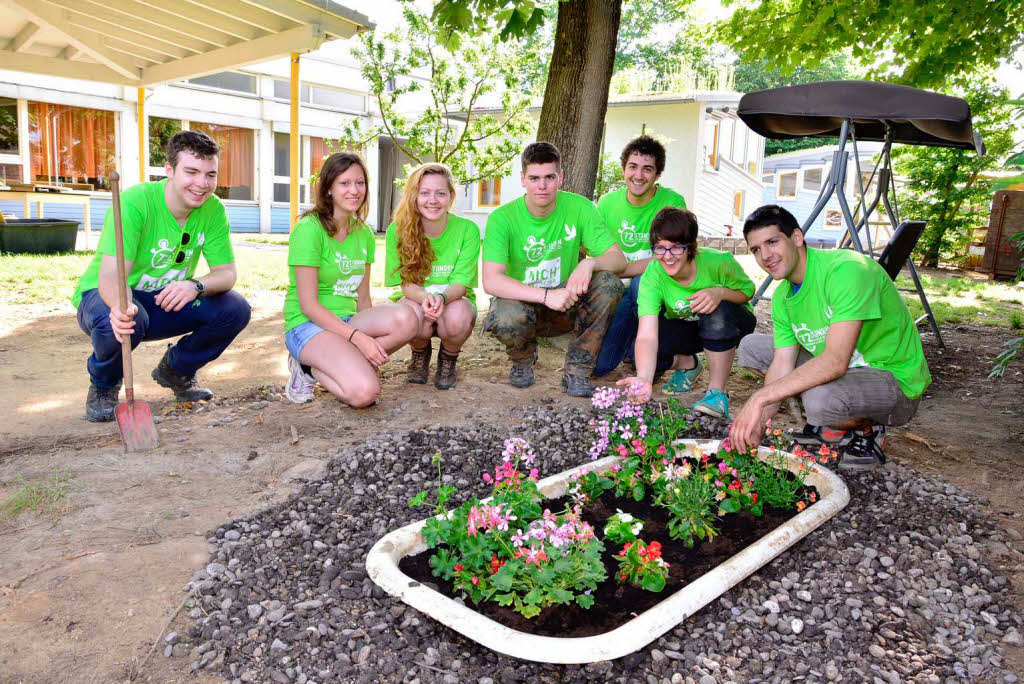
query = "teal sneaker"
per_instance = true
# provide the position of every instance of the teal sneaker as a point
(682, 381)
(715, 403)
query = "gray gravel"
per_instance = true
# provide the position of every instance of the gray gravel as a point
(898, 587)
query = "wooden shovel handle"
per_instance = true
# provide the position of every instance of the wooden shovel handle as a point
(122, 285)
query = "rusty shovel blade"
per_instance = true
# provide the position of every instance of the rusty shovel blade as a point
(135, 421)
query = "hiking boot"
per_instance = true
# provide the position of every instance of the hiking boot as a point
(714, 403)
(299, 389)
(577, 385)
(863, 451)
(521, 373)
(101, 403)
(419, 365)
(445, 377)
(185, 388)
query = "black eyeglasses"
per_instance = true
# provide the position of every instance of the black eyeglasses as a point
(185, 239)
(674, 250)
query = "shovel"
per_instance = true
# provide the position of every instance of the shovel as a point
(134, 419)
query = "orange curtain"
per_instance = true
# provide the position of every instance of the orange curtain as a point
(72, 143)
(237, 165)
(317, 153)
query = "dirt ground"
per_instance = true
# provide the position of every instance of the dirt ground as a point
(83, 595)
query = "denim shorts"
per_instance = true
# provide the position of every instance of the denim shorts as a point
(297, 338)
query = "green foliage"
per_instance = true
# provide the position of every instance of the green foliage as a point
(924, 44)
(447, 129)
(944, 185)
(689, 501)
(43, 496)
(510, 18)
(622, 528)
(1014, 346)
(609, 176)
(641, 564)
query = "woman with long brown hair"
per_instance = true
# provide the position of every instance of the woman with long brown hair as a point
(433, 255)
(333, 332)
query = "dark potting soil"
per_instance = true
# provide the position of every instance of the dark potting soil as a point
(616, 604)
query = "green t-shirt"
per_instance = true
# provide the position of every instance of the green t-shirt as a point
(632, 225)
(153, 240)
(844, 285)
(543, 252)
(341, 267)
(715, 268)
(456, 254)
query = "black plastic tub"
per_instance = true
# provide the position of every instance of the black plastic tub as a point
(38, 236)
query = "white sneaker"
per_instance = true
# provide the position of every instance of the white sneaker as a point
(299, 389)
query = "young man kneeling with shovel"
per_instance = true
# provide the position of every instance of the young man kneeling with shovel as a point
(167, 225)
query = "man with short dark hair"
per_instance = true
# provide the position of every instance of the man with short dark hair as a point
(167, 225)
(538, 284)
(844, 341)
(628, 212)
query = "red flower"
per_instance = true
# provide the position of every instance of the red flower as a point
(800, 505)
(475, 581)
(653, 550)
(458, 567)
(496, 564)
(755, 498)
(622, 576)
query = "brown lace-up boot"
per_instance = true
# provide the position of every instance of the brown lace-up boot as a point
(445, 378)
(419, 365)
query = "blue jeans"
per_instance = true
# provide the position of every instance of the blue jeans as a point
(618, 341)
(209, 325)
(299, 336)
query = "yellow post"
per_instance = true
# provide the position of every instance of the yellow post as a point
(142, 135)
(293, 189)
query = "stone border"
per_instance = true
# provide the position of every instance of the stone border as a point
(382, 567)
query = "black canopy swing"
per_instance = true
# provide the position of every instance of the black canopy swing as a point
(863, 110)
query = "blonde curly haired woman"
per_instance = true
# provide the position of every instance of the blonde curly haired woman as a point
(433, 255)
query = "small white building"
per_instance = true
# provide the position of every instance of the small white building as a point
(793, 181)
(712, 159)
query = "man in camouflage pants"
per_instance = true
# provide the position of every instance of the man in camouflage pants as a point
(539, 285)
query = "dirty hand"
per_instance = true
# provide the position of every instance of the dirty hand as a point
(579, 281)
(560, 299)
(123, 322)
(638, 388)
(370, 348)
(433, 306)
(176, 295)
(705, 301)
(748, 427)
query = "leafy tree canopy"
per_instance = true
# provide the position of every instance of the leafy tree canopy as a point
(943, 186)
(509, 18)
(923, 44)
(446, 88)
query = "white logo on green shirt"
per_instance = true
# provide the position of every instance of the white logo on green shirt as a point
(534, 248)
(149, 283)
(346, 287)
(161, 254)
(545, 274)
(629, 236)
(570, 231)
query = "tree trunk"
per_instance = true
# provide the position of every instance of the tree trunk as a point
(576, 96)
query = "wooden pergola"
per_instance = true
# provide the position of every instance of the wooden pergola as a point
(144, 43)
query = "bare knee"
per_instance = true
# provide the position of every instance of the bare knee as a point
(457, 322)
(362, 393)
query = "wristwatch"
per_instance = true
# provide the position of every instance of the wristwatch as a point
(200, 287)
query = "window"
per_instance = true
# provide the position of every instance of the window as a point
(833, 219)
(812, 179)
(235, 177)
(787, 185)
(725, 136)
(312, 152)
(71, 144)
(753, 152)
(11, 168)
(228, 80)
(737, 205)
(768, 178)
(489, 193)
(160, 133)
(322, 96)
(711, 146)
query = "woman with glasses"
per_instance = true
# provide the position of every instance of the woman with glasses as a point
(333, 332)
(690, 300)
(433, 255)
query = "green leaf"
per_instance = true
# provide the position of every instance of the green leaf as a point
(504, 599)
(730, 505)
(560, 595)
(653, 582)
(417, 500)
(584, 600)
(503, 579)
(638, 491)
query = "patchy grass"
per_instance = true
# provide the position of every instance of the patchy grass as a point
(265, 239)
(40, 278)
(956, 299)
(42, 497)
